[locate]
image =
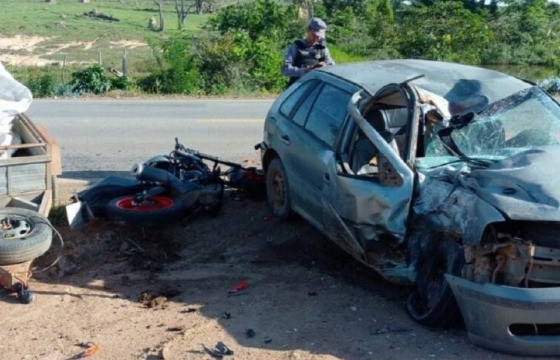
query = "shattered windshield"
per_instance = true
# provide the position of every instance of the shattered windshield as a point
(525, 120)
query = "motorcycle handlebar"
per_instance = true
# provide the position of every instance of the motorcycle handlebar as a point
(182, 150)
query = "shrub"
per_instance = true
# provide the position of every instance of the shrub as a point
(122, 83)
(90, 80)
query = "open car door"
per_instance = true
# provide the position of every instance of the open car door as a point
(368, 197)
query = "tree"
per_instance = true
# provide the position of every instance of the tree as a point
(161, 18)
(182, 12)
(444, 31)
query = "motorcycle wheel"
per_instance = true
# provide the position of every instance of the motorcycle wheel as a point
(158, 210)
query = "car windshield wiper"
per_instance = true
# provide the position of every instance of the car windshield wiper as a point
(470, 160)
(458, 122)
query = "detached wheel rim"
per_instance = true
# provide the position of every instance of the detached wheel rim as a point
(154, 203)
(278, 190)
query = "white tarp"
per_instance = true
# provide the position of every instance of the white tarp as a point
(15, 98)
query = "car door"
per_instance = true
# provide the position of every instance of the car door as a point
(367, 204)
(309, 138)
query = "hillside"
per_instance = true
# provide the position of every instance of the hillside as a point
(34, 32)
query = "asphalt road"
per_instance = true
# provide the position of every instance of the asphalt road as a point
(98, 137)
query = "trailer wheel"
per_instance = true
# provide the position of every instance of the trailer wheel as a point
(158, 210)
(24, 235)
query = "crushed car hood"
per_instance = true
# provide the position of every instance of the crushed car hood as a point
(524, 186)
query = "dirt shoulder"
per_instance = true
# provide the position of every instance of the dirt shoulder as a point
(163, 294)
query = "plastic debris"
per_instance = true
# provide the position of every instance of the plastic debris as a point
(391, 329)
(219, 351)
(90, 349)
(239, 287)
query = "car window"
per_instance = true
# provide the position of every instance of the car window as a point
(328, 113)
(290, 103)
(301, 114)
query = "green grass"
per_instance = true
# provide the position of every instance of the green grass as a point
(66, 29)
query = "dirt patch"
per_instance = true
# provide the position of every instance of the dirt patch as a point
(166, 294)
(20, 50)
(129, 44)
(21, 42)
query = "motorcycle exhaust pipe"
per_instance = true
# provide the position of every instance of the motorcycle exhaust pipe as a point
(148, 173)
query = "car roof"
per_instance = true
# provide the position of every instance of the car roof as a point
(441, 78)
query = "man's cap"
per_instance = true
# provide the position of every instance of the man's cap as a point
(318, 26)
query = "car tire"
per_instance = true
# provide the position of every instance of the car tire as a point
(24, 235)
(160, 210)
(432, 302)
(277, 190)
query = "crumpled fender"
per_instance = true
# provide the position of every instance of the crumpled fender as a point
(444, 205)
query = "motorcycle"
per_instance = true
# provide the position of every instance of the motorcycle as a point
(163, 189)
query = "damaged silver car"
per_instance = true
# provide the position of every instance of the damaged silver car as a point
(438, 175)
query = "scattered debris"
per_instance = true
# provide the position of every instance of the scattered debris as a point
(90, 349)
(157, 299)
(189, 310)
(238, 288)
(391, 329)
(267, 341)
(219, 351)
(153, 300)
(226, 315)
(175, 329)
(250, 333)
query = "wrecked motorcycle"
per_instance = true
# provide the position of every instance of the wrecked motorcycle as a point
(163, 189)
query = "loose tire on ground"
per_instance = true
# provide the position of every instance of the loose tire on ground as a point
(32, 241)
(432, 302)
(161, 209)
(277, 189)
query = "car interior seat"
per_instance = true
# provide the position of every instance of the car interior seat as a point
(389, 127)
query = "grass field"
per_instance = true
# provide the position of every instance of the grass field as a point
(41, 32)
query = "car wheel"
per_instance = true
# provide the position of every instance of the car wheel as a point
(157, 210)
(432, 302)
(24, 235)
(277, 191)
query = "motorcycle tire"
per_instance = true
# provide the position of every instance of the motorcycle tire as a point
(24, 235)
(160, 210)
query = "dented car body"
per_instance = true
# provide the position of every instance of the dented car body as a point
(435, 174)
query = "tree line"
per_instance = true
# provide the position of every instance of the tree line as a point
(242, 48)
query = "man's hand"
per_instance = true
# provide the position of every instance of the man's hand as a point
(319, 65)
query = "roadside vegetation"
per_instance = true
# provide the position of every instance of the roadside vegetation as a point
(202, 47)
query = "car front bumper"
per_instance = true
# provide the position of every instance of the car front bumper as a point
(523, 321)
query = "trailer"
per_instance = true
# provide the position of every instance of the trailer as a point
(28, 177)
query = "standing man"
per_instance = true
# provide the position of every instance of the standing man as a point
(310, 53)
